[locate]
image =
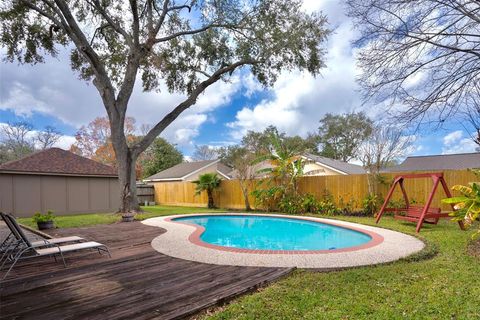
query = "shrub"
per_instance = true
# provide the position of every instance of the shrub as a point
(291, 204)
(370, 204)
(267, 199)
(39, 217)
(327, 207)
(310, 203)
(347, 208)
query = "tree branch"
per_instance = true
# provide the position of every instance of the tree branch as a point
(102, 80)
(110, 21)
(189, 32)
(191, 100)
(135, 22)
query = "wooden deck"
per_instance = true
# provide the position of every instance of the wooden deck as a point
(136, 283)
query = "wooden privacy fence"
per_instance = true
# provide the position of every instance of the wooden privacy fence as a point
(145, 193)
(343, 189)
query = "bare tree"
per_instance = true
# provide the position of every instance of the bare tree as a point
(241, 159)
(420, 58)
(16, 140)
(204, 152)
(47, 138)
(18, 133)
(385, 145)
(188, 46)
(472, 117)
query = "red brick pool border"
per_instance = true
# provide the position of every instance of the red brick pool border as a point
(194, 238)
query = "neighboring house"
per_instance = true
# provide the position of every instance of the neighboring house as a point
(190, 171)
(322, 166)
(57, 180)
(459, 161)
(314, 166)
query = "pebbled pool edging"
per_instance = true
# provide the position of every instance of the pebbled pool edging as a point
(182, 241)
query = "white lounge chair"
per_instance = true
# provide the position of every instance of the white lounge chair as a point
(24, 248)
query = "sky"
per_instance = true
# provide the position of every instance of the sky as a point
(51, 94)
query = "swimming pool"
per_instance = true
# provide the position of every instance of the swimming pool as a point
(252, 232)
(181, 237)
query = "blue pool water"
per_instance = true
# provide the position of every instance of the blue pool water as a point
(274, 233)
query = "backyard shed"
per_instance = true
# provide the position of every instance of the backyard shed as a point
(57, 180)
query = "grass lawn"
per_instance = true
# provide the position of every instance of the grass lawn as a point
(445, 286)
(85, 220)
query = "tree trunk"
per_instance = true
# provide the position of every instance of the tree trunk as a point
(370, 182)
(245, 195)
(210, 199)
(127, 180)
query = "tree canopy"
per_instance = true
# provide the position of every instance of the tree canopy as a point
(94, 140)
(160, 155)
(341, 135)
(184, 47)
(260, 143)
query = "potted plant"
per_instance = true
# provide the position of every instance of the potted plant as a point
(128, 217)
(44, 220)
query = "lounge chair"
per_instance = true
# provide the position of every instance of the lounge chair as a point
(16, 234)
(25, 249)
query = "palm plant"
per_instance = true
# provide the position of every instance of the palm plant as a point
(207, 182)
(286, 163)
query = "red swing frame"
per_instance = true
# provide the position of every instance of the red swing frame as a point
(418, 214)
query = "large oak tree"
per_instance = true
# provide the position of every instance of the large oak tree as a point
(187, 45)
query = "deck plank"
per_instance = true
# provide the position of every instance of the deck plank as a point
(136, 283)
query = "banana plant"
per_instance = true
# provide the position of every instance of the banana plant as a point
(467, 206)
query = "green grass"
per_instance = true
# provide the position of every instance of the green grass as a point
(444, 286)
(85, 220)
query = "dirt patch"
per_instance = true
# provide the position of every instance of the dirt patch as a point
(474, 248)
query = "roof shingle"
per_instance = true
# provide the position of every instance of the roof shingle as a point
(59, 162)
(180, 170)
(439, 162)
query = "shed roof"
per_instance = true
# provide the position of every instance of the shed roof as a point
(58, 162)
(439, 162)
(343, 167)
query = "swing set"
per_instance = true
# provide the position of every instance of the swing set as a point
(413, 213)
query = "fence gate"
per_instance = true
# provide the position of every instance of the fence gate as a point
(145, 193)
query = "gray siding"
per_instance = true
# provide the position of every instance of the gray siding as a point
(23, 195)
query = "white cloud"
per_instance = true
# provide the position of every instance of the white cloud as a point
(457, 142)
(151, 107)
(65, 142)
(298, 100)
(452, 137)
(283, 111)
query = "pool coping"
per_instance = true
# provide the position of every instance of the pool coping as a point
(376, 239)
(181, 240)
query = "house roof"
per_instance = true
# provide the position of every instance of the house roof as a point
(184, 169)
(336, 165)
(224, 170)
(439, 162)
(57, 161)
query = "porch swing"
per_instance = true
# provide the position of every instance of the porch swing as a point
(414, 213)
